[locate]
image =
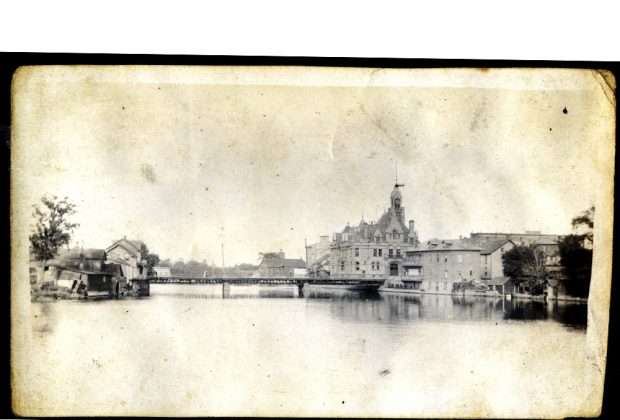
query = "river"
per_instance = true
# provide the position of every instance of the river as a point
(186, 350)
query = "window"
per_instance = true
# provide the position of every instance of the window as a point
(397, 251)
(390, 252)
(459, 258)
(445, 259)
(471, 273)
(380, 252)
(485, 273)
(373, 265)
(501, 250)
(357, 252)
(445, 274)
(342, 265)
(357, 266)
(374, 252)
(393, 269)
(378, 268)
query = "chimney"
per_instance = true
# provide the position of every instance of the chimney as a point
(411, 227)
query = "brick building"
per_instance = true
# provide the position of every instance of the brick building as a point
(436, 265)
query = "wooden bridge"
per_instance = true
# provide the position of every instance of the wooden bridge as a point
(143, 285)
(268, 280)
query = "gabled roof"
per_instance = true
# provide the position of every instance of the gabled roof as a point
(365, 232)
(491, 246)
(132, 246)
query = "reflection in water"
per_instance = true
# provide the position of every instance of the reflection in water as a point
(402, 308)
(368, 306)
(217, 291)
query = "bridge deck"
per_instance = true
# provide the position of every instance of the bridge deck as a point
(266, 280)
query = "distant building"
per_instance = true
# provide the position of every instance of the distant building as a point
(317, 257)
(525, 238)
(127, 253)
(275, 264)
(161, 271)
(374, 249)
(317, 250)
(436, 265)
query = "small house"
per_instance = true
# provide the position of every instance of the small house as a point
(128, 254)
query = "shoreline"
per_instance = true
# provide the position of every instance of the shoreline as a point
(395, 290)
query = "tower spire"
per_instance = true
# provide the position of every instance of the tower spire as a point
(396, 172)
(396, 184)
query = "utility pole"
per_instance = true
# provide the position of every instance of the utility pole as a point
(306, 245)
(223, 270)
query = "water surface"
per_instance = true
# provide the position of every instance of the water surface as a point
(266, 350)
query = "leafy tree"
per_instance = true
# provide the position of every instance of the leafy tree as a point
(52, 228)
(526, 266)
(151, 259)
(585, 223)
(576, 255)
(514, 259)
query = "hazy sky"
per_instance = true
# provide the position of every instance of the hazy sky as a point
(184, 159)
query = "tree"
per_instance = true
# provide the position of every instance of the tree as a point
(584, 223)
(52, 228)
(514, 259)
(576, 255)
(526, 266)
(151, 259)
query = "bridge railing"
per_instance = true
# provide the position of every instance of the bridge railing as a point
(264, 280)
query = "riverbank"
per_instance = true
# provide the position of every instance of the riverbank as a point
(493, 295)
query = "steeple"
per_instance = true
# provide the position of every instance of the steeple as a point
(396, 198)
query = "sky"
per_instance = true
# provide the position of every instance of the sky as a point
(263, 159)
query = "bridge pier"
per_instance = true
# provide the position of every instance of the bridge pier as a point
(300, 288)
(225, 289)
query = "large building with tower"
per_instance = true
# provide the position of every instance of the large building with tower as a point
(374, 249)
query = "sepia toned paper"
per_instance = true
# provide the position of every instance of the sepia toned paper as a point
(259, 158)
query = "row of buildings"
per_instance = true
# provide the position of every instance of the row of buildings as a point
(390, 248)
(107, 271)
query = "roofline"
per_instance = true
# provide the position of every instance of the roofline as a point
(486, 252)
(445, 249)
(117, 243)
(517, 234)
